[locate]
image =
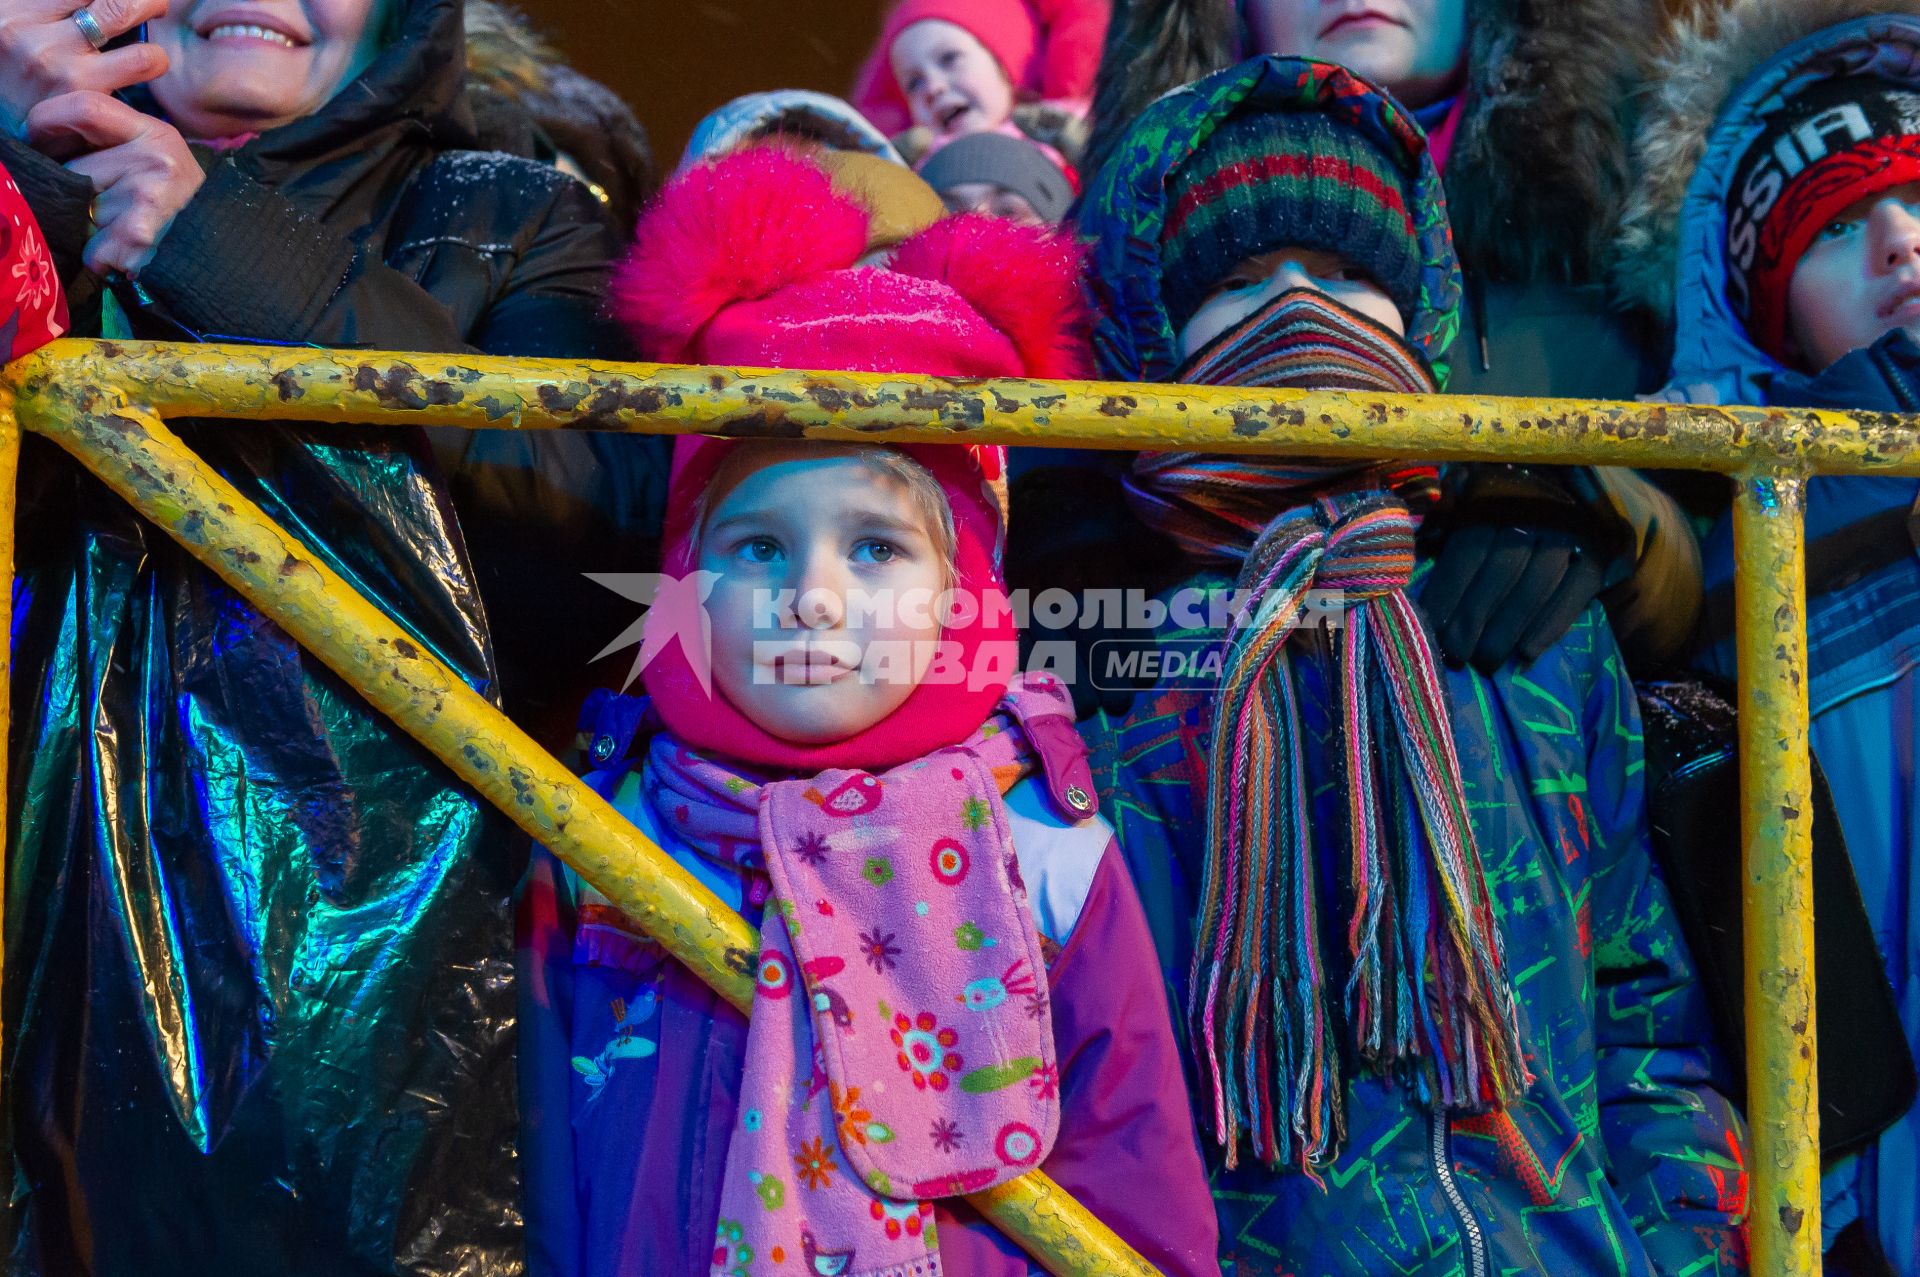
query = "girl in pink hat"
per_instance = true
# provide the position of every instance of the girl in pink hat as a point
(955, 979)
(944, 69)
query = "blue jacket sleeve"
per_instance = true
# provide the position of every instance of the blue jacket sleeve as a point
(1127, 1145)
(543, 960)
(1675, 1144)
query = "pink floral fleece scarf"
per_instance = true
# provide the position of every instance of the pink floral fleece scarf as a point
(900, 1048)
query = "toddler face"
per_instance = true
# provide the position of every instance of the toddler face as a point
(993, 200)
(850, 541)
(1860, 278)
(952, 84)
(1415, 48)
(247, 67)
(1258, 280)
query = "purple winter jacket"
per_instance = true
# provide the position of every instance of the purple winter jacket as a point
(629, 1068)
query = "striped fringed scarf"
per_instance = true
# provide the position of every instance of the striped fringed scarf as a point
(1213, 506)
(1428, 998)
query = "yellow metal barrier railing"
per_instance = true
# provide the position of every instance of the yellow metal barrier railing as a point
(106, 404)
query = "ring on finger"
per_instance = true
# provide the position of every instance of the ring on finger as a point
(90, 27)
(93, 211)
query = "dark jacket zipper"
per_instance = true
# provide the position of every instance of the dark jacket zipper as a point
(1441, 1146)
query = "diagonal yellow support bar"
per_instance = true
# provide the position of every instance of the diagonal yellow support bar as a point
(1776, 782)
(147, 464)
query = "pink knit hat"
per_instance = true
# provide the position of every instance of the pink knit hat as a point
(1007, 27)
(749, 261)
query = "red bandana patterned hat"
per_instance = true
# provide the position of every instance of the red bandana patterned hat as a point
(33, 306)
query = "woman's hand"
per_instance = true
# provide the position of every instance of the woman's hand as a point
(140, 165)
(44, 55)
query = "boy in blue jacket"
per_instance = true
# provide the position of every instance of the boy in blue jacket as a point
(1777, 221)
(1441, 1018)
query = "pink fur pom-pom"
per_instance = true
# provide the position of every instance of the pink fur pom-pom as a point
(741, 227)
(1024, 280)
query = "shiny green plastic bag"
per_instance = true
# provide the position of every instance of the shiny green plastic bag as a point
(258, 1006)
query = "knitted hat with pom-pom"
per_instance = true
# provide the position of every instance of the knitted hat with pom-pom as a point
(751, 260)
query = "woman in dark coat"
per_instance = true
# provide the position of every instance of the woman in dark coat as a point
(265, 927)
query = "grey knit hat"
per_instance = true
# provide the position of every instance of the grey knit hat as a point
(1007, 162)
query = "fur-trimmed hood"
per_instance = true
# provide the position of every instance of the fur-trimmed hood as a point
(1538, 170)
(1713, 77)
(510, 64)
(1706, 57)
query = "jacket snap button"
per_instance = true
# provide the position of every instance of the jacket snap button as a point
(602, 749)
(1077, 799)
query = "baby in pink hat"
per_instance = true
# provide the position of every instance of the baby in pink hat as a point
(958, 67)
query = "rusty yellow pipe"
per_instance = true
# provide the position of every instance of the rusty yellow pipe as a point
(147, 464)
(475, 391)
(1777, 832)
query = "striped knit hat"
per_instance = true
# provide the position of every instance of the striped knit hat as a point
(1273, 179)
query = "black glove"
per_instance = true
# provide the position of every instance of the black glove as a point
(1519, 552)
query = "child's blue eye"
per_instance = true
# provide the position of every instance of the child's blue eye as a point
(1837, 230)
(876, 551)
(759, 550)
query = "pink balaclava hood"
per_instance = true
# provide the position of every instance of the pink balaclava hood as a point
(750, 261)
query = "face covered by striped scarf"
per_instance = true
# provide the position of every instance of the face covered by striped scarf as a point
(1427, 1000)
(1214, 506)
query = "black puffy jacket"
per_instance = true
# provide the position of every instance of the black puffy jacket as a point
(259, 1007)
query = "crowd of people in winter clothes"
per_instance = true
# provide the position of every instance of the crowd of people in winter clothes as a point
(1402, 944)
